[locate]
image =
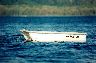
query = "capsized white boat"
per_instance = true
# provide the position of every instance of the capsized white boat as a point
(48, 36)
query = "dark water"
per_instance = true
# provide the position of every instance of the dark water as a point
(14, 50)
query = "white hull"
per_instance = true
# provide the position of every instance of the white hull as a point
(45, 36)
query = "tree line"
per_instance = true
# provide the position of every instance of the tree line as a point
(50, 2)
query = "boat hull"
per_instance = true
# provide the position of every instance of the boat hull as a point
(39, 36)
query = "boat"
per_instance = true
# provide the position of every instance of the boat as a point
(49, 36)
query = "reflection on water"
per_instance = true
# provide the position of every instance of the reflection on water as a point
(14, 50)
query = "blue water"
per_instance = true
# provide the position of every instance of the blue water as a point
(14, 50)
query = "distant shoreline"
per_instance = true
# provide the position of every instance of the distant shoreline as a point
(44, 10)
(50, 16)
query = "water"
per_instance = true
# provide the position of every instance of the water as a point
(14, 50)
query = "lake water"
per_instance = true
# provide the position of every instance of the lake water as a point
(14, 50)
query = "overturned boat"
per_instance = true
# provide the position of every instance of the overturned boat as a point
(48, 36)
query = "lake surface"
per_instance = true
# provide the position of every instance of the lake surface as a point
(14, 50)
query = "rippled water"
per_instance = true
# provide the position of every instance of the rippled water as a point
(14, 50)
